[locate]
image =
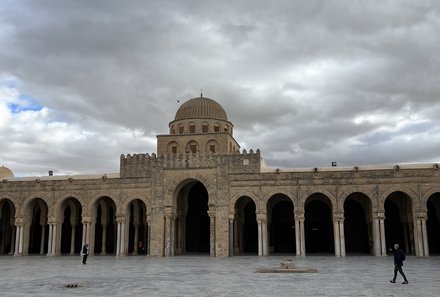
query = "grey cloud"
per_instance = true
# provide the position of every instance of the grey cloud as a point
(104, 66)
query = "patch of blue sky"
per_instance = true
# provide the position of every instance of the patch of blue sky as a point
(26, 103)
(9, 82)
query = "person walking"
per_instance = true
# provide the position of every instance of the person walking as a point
(85, 253)
(399, 257)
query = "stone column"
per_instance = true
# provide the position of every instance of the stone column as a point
(118, 238)
(260, 238)
(13, 235)
(123, 241)
(19, 226)
(231, 235)
(299, 234)
(264, 235)
(425, 237)
(148, 235)
(342, 236)
(72, 240)
(19, 240)
(172, 233)
(211, 214)
(86, 235)
(421, 236)
(379, 234)
(180, 232)
(382, 235)
(167, 218)
(297, 240)
(54, 238)
(43, 237)
(21, 236)
(337, 240)
(136, 238)
(339, 237)
(303, 238)
(104, 239)
(377, 238)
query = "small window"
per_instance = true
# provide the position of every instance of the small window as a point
(212, 148)
(174, 149)
(216, 128)
(193, 148)
(205, 128)
(192, 129)
(181, 130)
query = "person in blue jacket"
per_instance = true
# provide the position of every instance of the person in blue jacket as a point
(399, 257)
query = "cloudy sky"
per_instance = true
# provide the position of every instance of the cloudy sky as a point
(306, 82)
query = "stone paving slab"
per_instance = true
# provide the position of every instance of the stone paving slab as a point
(206, 276)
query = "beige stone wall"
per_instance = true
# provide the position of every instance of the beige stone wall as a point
(157, 180)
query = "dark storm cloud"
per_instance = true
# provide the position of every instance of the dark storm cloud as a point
(307, 82)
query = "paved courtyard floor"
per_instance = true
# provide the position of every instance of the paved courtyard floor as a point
(206, 276)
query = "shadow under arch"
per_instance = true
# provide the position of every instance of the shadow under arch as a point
(433, 223)
(358, 224)
(192, 221)
(319, 237)
(399, 224)
(104, 229)
(245, 239)
(136, 216)
(37, 231)
(7, 226)
(281, 224)
(70, 214)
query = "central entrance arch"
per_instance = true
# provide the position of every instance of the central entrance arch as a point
(193, 223)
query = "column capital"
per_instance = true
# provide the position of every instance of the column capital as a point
(262, 217)
(19, 221)
(338, 216)
(421, 215)
(168, 210)
(119, 219)
(300, 216)
(379, 215)
(86, 220)
(211, 213)
(170, 216)
(232, 217)
(52, 220)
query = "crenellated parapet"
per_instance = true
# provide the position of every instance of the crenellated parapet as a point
(246, 162)
(142, 165)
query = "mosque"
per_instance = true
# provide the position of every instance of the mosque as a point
(202, 193)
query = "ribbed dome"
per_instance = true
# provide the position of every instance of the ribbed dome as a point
(201, 107)
(6, 172)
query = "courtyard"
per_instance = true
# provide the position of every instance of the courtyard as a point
(210, 276)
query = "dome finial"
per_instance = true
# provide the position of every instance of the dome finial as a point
(201, 93)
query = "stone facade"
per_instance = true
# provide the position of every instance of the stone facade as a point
(224, 203)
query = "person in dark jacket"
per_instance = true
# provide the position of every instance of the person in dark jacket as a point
(399, 257)
(85, 253)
